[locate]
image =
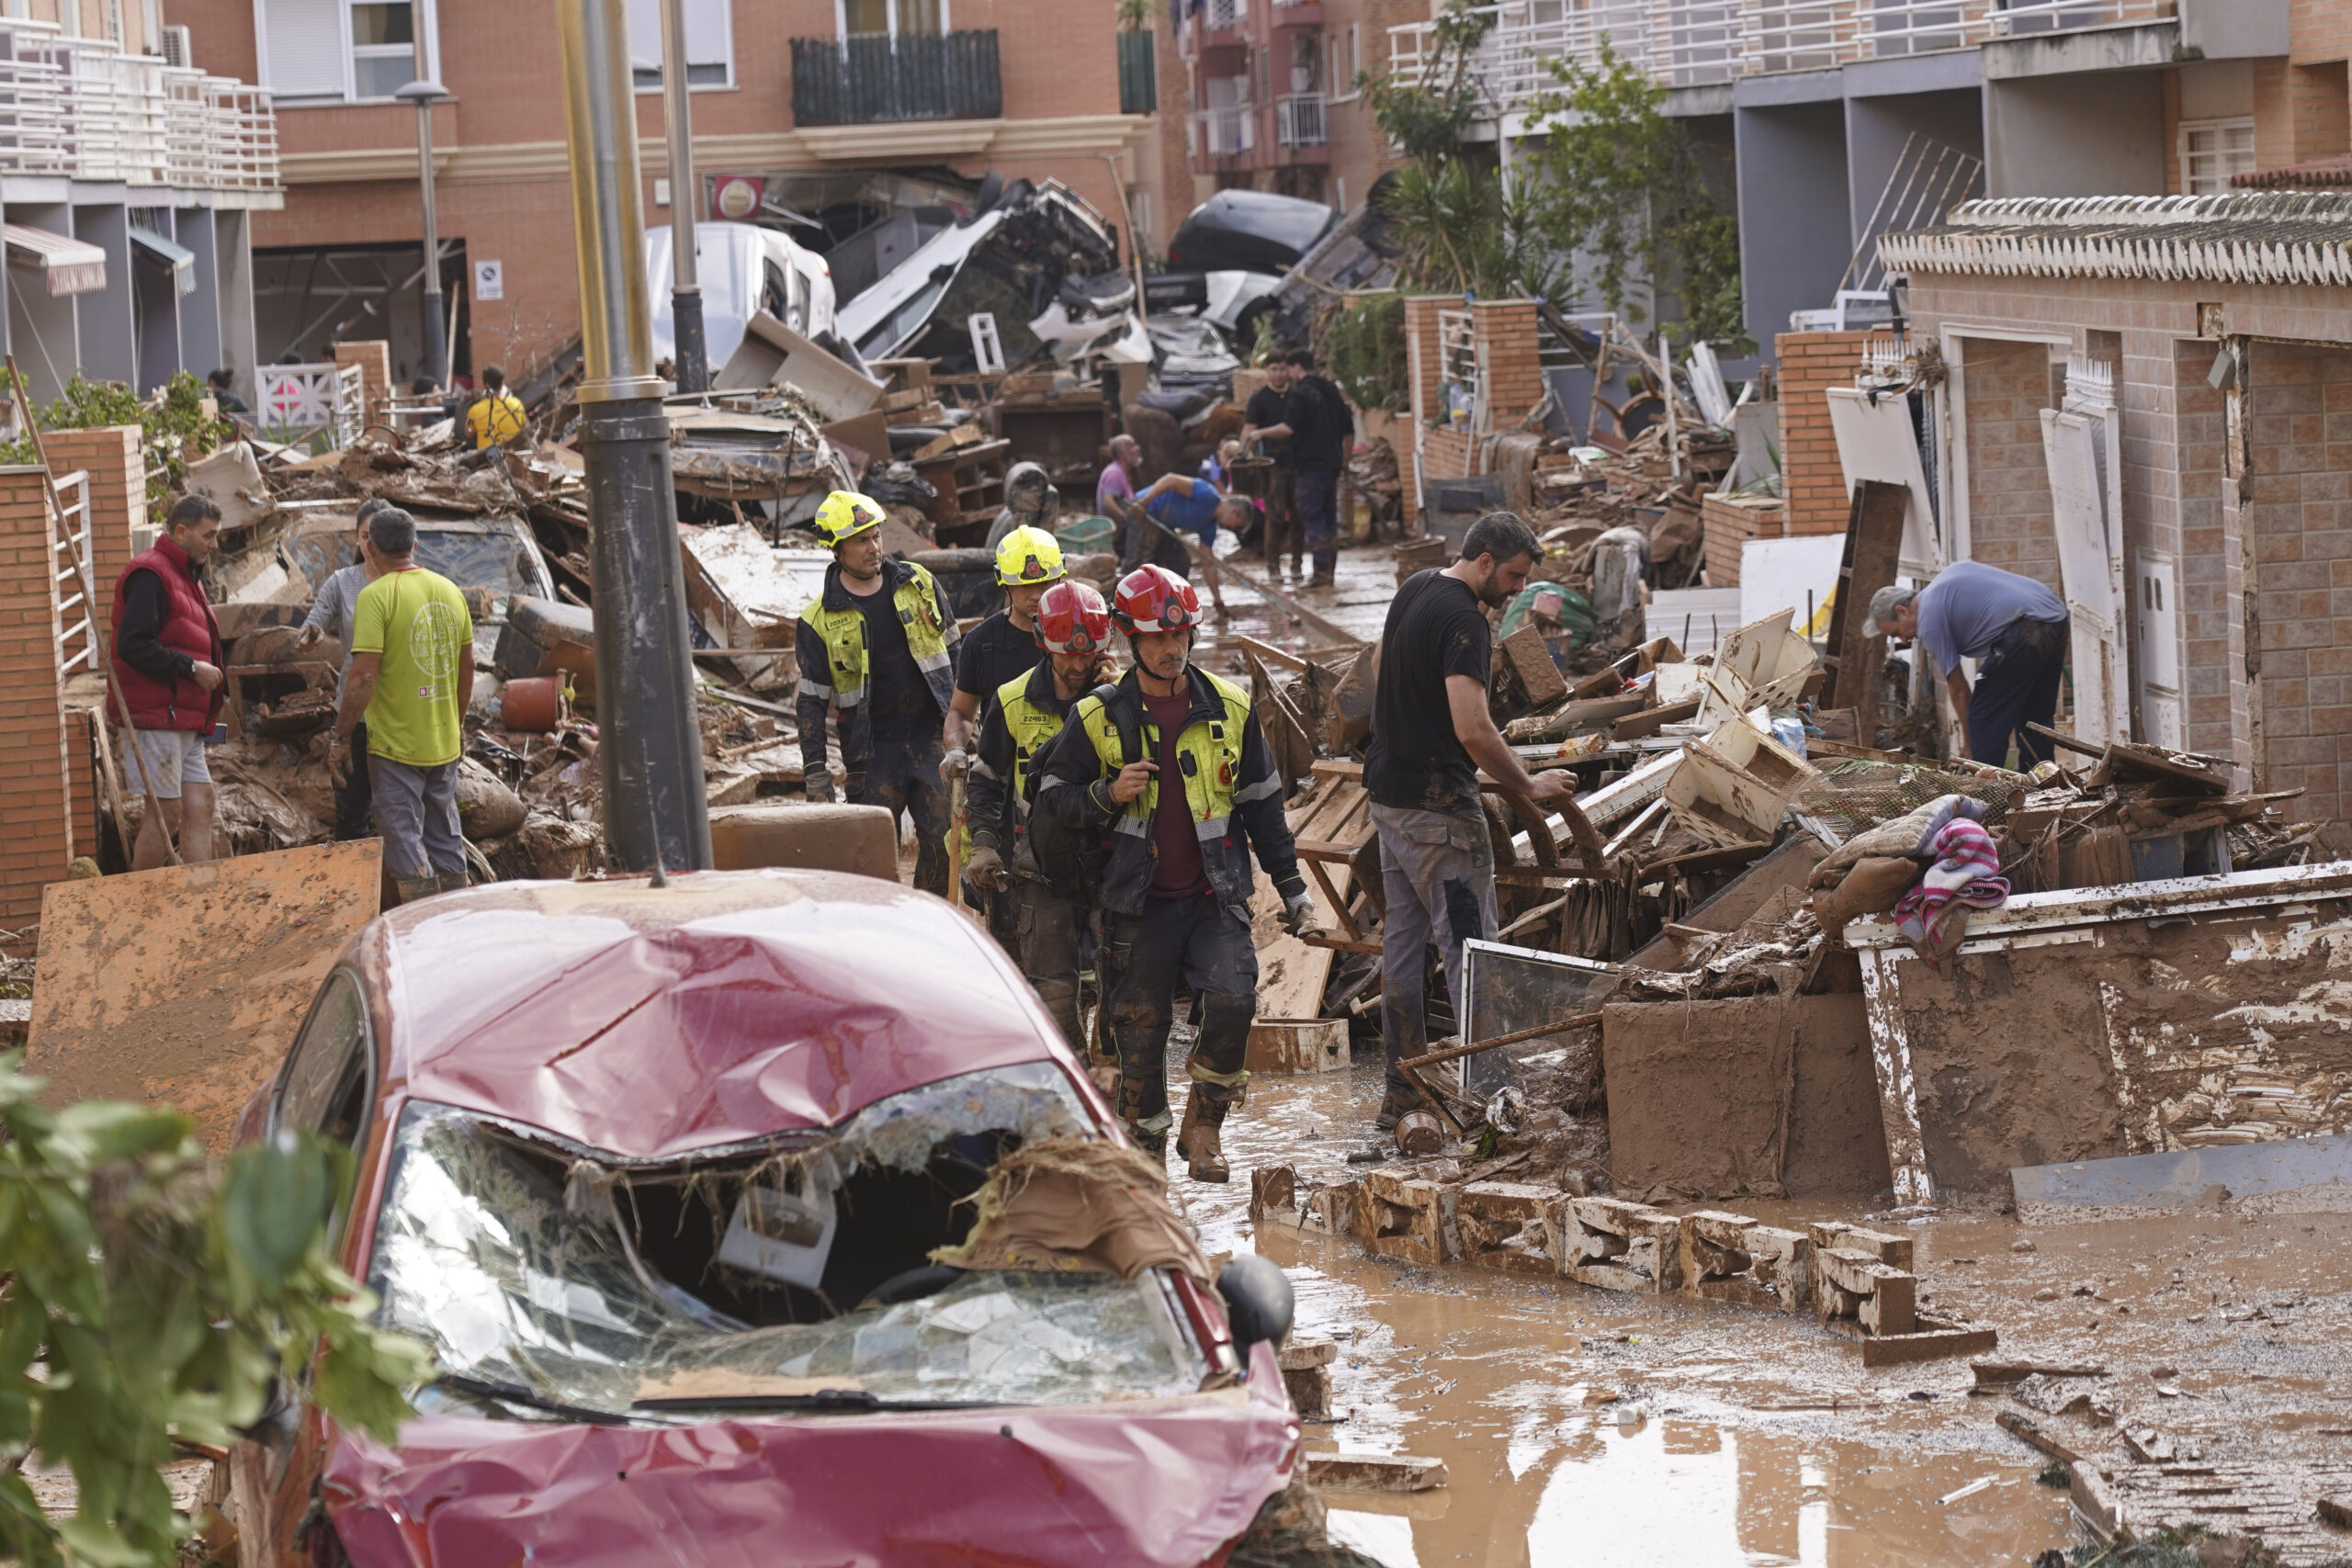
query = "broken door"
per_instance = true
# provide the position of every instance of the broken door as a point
(2079, 444)
(1876, 440)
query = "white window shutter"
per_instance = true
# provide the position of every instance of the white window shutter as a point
(645, 35)
(707, 31)
(306, 48)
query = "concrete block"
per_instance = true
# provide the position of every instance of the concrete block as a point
(1501, 1227)
(1335, 1208)
(1852, 1284)
(1895, 1251)
(1613, 1245)
(1401, 1219)
(859, 840)
(1532, 658)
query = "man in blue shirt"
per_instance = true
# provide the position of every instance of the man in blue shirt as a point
(2014, 624)
(1187, 506)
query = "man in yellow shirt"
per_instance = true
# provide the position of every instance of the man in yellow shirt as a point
(411, 676)
(497, 417)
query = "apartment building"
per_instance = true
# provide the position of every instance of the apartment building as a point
(129, 181)
(1847, 118)
(1270, 97)
(831, 111)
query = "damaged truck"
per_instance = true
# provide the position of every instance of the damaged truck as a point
(735, 1238)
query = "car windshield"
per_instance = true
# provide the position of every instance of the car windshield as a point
(546, 1281)
(496, 563)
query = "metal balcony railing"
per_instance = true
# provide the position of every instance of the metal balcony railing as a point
(1225, 132)
(1219, 14)
(874, 79)
(81, 107)
(1298, 120)
(1691, 42)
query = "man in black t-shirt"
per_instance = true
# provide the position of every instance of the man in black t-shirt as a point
(1430, 734)
(1321, 427)
(1267, 421)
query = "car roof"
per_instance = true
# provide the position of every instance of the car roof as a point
(729, 1006)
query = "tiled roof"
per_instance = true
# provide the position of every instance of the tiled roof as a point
(2254, 237)
(2320, 174)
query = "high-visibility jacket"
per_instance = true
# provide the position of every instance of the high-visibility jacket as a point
(496, 417)
(1020, 722)
(836, 672)
(1231, 792)
(188, 627)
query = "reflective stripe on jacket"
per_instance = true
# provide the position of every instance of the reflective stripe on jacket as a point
(1021, 722)
(1230, 790)
(835, 669)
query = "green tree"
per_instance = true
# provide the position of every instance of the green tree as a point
(144, 1300)
(1622, 188)
(1426, 119)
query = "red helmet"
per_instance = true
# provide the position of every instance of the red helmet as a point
(1072, 619)
(1153, 599)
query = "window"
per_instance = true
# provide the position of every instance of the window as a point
(710, 44)
(891, 18)
(324, 1089)
(2211, 150)
(341, 51)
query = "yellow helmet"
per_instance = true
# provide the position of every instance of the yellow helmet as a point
(1029, 556)
(845, 513)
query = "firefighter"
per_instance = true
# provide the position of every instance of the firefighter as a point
(1005, 646)
(1170, 766)
(876, 648)
(1022, 719)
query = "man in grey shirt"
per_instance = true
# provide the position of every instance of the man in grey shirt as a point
(2014, 624)
(332, 610)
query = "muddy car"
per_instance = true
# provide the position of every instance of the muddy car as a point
(659, 1176)
(492, 560)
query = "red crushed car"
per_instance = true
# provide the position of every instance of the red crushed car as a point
(657, 1174)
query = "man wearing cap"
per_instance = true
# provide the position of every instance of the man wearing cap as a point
(1001, 648)
(1169, 765)
(1025, 714)
(2017, 627)
(877, 650)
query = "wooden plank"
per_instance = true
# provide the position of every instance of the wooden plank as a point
(184, 985)
(1292, 972)
(1857, 652)
(1269, 652)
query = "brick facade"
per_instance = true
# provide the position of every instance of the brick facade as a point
(2009, 385)
(112, 457)
(1727, 523)
(1813, 481)
(36, 797)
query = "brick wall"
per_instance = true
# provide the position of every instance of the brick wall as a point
(112, 457)
(1812, 480)
(1504, 330)
(36, 827)
(2009, 385)
(1729, 524)
(374, 359)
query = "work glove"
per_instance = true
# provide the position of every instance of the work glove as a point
(1298, 913)
(952, 766)
(986, 868)
(820, 788)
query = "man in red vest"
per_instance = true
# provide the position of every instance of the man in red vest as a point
(167, 663)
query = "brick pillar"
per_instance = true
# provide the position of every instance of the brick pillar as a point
(1505, 332)
(375, 362)
(1812, 480)
(117, 464)
(1424, 367)
(36, 825)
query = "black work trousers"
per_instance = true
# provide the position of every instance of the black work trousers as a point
(2017, 685)
(904, 777)
(1049, 930)
(354, 799)
(1207, 947)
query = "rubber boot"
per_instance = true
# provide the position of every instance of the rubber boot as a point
(1198, 1141)
(456, 881)
(411, 888)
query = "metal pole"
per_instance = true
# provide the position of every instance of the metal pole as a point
(685, 206)
(655, 810)
(435, 325)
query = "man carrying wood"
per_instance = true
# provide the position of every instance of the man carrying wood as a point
(1170, 767)
(2017, 627)
(167, 668)
(1432, 732)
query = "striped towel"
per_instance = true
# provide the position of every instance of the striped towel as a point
(1965, 876)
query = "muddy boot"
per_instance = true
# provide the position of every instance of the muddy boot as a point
(411, 888)
(1323, 580)
(1393, 1106)
(1199, 1141)
(456, 881)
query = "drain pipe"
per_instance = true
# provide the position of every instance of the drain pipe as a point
(651, 756)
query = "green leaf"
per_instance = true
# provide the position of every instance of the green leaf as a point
(100, 1132)
(274, 1206)
(96, 1543)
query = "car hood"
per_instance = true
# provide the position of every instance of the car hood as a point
(1160, 1481)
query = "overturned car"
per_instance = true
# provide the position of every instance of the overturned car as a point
(758, 1218)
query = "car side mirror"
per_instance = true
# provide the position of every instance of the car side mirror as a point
(1258, 1301)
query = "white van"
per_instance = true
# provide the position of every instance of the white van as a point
(743, 269)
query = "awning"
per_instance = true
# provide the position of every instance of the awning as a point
(72, 266)
(156, 249)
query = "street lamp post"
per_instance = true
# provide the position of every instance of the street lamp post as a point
(424, 92)
(656, 812)
(685, 206)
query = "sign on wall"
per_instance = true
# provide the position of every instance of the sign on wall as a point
(490, 280)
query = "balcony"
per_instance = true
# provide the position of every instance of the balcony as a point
(1228, 132)
(81, 109)
(875, 79)
(1298, 120)
(1224, 15)
(1685, 43)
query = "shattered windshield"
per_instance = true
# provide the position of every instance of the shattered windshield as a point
(499, 563)
(778, 1277)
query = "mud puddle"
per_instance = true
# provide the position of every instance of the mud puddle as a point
(1586, 1429)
